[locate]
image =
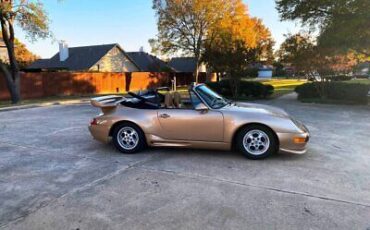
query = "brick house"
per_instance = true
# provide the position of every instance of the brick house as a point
(97, 58)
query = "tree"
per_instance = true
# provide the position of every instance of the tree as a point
(343, 25)
(264, 49)
(185, 25)
(22, 54)
(297, 51)
(237, 42)
(31, 17)
(307, 58)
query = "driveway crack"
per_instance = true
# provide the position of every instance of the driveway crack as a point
(79, 189)
(273, 189)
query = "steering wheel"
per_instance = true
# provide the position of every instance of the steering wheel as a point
(137, 96)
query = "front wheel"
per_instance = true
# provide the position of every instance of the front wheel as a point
(128, 138)
(257, 142)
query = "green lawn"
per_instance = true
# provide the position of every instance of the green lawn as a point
(362, 81)
(283, 86)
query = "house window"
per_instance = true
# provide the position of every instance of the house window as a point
(98, 67)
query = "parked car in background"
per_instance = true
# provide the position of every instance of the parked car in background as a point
(363, 70)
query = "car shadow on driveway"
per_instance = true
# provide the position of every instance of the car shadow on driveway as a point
(203, 153)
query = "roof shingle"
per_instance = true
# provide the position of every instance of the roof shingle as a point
(183, 64)
(147, 62)
(80, 58)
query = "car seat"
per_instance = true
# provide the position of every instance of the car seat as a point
(177, 100)
(168, 100)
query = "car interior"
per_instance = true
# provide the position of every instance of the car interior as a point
(161, 98)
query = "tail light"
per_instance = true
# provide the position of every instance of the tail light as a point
(94, 121)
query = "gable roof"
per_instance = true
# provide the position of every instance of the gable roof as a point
(147, 62)
(183, 64)
(80, 58)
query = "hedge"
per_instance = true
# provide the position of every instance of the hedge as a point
(250, 89)
(339, 91)
(340, 78)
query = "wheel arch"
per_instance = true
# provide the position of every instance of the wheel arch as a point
(123, 122)
(237, 131)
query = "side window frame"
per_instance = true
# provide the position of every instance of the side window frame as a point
(192, 95)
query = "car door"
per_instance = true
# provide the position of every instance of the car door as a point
(189, 124)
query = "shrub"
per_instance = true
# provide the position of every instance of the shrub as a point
(340, 78)
(252, 72)
(246, 89)
(308, 90)
(340, 91)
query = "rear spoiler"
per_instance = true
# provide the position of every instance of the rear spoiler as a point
(107, 103)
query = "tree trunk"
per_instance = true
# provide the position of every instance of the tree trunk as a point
(13, 88)
(197, 72)
(12, 78)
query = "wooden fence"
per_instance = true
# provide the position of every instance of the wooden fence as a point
(45, 84)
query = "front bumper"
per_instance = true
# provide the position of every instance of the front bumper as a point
(288, 145)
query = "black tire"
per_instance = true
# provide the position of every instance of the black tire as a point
(265, 151)
(119, 129)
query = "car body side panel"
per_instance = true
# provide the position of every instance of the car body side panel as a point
(188, 124)
(235, 121)
(146, 119)
(156, 141)
(236, 117)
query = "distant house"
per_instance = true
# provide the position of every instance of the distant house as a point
(183, 67)
(149, 63)
(186, 65)
(265, 72)
(97, 58)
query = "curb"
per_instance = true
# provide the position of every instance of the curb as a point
(45, 104)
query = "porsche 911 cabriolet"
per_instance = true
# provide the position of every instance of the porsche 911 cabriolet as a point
(197, 118)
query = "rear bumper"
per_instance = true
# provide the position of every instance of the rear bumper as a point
(288, 145)
(100, 133)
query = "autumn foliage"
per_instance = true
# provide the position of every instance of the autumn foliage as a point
(23, 55)
(219, 32)
(237, 42)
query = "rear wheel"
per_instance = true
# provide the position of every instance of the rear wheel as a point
(128, 138)
(257, 142)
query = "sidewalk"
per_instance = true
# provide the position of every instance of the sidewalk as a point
(45, 104)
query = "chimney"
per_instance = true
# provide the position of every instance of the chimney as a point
(63, 51)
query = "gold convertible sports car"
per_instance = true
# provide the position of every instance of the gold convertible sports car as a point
(197, 118)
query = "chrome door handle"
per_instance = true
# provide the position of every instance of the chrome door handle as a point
(164, 115)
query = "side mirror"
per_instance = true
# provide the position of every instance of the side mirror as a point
(201, 107)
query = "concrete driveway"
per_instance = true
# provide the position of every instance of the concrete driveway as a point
(54, 176)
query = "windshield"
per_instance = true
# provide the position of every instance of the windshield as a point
(214, 100)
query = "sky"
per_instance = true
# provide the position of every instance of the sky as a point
(129, 23)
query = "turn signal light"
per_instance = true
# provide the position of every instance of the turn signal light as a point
(299, 140)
